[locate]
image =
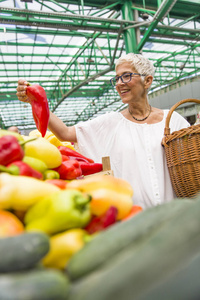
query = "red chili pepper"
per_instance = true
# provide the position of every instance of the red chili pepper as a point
(40, 107)
(22, 168)
(10, 149)
(69, 169)
(90, 168)
(70, 152)
(58, 182)
(102, 222)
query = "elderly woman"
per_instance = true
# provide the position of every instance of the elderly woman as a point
(132, 138)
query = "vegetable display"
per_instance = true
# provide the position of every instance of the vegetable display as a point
(65, 239)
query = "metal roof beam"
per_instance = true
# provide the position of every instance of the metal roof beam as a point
(163, 10)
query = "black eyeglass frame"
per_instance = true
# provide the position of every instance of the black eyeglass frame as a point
(121, 77)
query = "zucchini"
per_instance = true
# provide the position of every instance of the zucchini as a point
(34, 284)
(120, 236)
(22, 251)
(137, 270)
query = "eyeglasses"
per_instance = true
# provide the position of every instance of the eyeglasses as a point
(124, 78)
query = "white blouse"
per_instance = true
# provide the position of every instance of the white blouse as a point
(135, 151)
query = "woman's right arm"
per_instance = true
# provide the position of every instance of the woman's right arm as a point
(56, 126)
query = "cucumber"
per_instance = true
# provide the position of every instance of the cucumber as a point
(118, 237)
(22, 251)
(182, 285)
(142, 266)
(34, 285)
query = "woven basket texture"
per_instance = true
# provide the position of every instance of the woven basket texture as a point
(182, 150)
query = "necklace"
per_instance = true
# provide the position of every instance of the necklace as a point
(143, 118)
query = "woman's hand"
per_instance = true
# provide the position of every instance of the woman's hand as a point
(21, 90)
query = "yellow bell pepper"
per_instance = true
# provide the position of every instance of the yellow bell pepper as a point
(53, 140)
(106, 191)
(21, 192)
(67, 144)
(35, 133)
(40, 148)
(49, 136)
(63, 246)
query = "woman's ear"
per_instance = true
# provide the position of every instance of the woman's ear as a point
(148, 81)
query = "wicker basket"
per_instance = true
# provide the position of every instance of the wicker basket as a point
(182, 149)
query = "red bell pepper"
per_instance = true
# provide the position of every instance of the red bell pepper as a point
(69, 169)
(10, 149)
(21, 168)
(102, 222)
(40, 107)
(72, 153)
(90, 168)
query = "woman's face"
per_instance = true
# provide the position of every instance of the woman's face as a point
(132, 90)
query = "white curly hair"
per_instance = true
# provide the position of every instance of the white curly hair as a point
(140, 63)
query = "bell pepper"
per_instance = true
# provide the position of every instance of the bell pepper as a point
(45, 151)
(40, 107)
(90, 168)
(102, 222)
(72, 153)
(21, 168)
(106, 191)
(58, 212)
(69, 169)
(51, 138)
(21, 192)
(10, 149)
(63, 246)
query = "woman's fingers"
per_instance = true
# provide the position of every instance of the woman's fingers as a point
(21, 90)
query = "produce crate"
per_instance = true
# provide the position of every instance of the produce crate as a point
(106, 167)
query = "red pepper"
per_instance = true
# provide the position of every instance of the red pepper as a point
(10, 149)
(90, 168)
(72, 153)
(58, 182)
(69, 169)
(65, 157)
(102, 222)
(21, 168)
(40, 107)
(26, 170)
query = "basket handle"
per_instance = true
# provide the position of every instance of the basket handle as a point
(167, 129)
